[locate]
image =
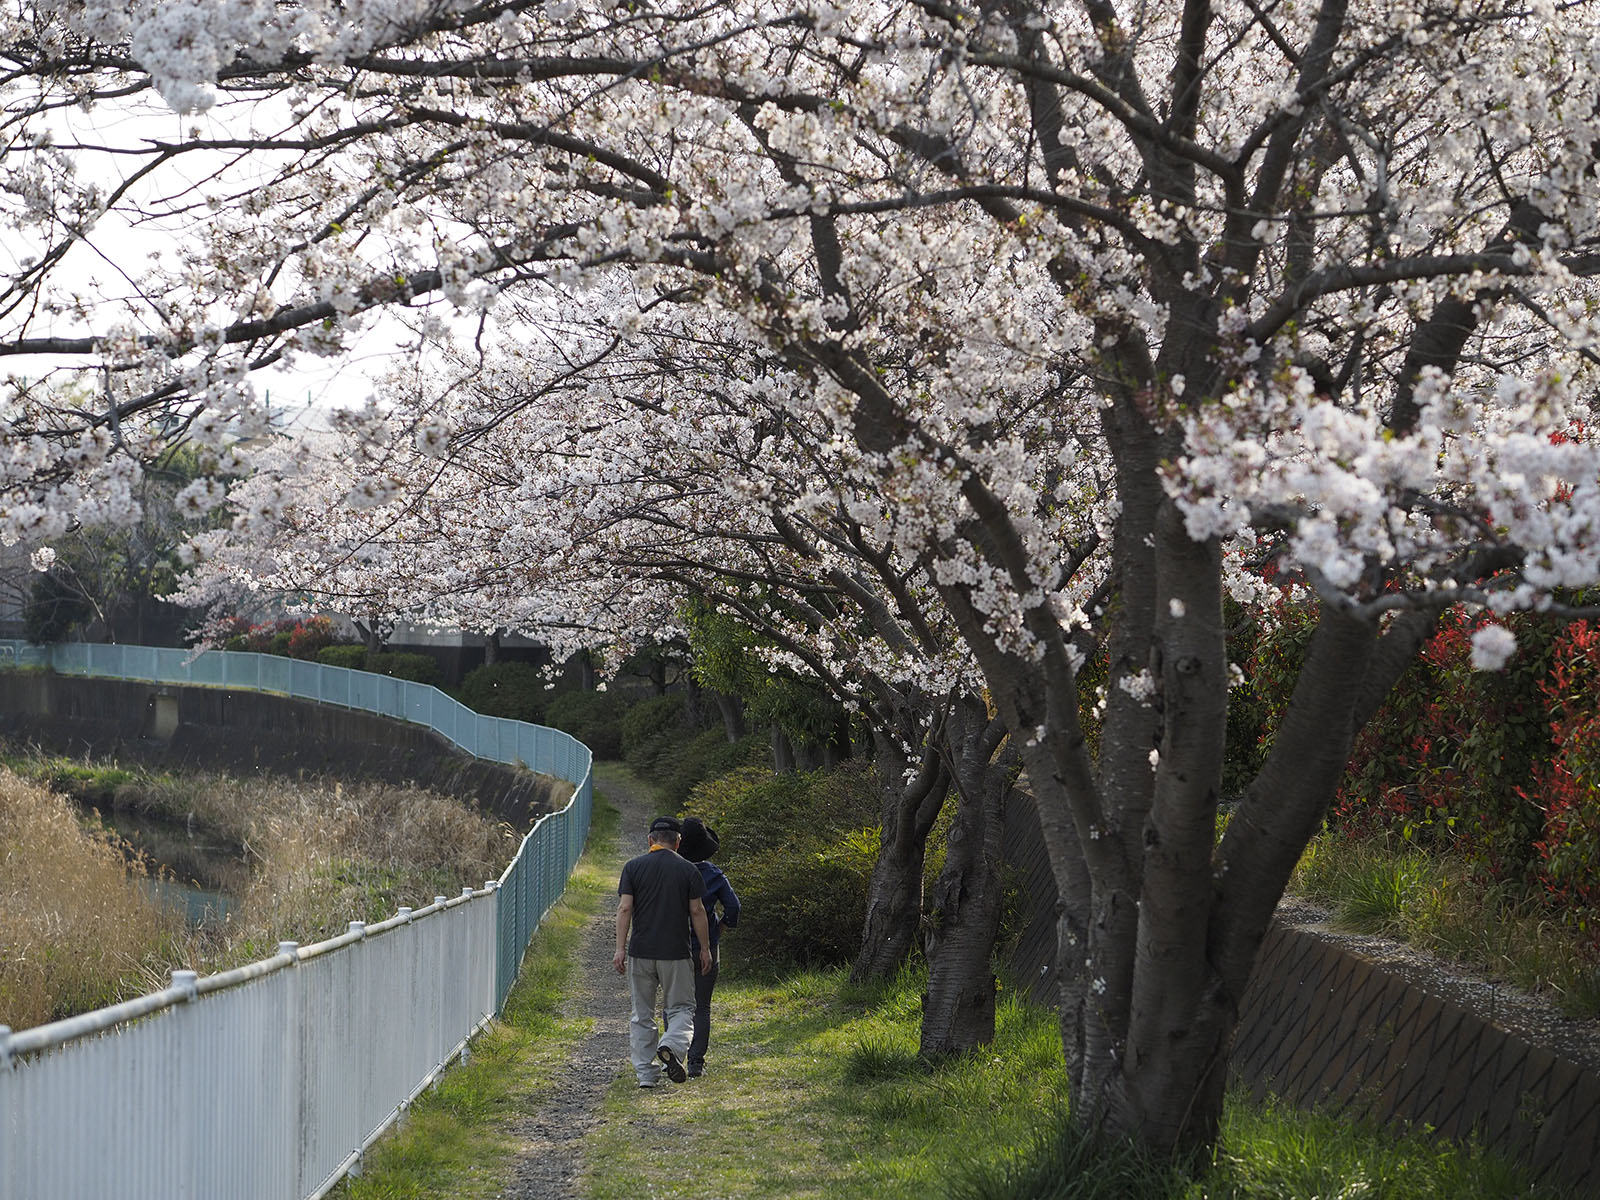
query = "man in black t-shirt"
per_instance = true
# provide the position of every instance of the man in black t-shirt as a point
(659, 899)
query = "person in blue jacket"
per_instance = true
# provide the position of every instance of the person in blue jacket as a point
(698, 844)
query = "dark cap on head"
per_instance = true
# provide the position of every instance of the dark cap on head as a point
(666, 825)
(699, 840)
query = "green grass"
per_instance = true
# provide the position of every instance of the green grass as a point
(1436, 903)
(814, 1089)
(1267, 1152)
(94, 782)
(455, 1141)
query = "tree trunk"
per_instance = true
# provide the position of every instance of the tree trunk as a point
(894, 910)
(894, 893)
(491, 648)
(808, 756)
(371, 637)
(586, 679)
(965, 908)
(732, 716)
(782, 753)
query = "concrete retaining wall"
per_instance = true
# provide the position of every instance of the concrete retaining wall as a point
(244, 731)
(1321, 1025)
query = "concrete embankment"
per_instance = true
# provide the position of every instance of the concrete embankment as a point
(248, 732)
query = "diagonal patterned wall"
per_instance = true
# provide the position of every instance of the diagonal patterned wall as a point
(1321, 1025)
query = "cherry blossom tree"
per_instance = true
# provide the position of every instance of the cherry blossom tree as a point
(663, 493)
(1086, 312)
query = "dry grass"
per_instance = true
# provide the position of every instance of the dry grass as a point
(326, 854)
(79, 931)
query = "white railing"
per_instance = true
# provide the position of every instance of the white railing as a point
(271, 1080)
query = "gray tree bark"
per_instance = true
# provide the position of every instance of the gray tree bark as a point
(912, 794)
(966, 905)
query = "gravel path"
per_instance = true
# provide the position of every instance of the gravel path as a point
(551, 1156)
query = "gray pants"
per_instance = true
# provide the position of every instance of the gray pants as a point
(674, 979)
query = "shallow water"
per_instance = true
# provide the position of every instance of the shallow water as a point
(193, 869)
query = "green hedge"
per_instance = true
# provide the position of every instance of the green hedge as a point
(353, 657)
(799, 850)
(418, 668)
(695, 758)
(509, 689)
(650, 728)
(594, 718)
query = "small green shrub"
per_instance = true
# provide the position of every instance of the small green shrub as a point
(691, 760)
(799, 851)
(510, 689)
(353, 657)
(649, 728)
(418, 668)
(591, 717)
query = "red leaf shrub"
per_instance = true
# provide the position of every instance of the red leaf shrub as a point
(1569, 783)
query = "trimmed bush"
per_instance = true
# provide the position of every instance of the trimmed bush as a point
(418, 668)
(693, 759)
(799, 850)
(509, 689)
(651, 727)
(591, 717)
(353, 657)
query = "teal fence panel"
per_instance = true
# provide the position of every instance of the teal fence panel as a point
(534, 879)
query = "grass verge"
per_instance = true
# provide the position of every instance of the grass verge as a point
(1436, 903)
(1266, 1152)
(455, 1141)
(814, 1089)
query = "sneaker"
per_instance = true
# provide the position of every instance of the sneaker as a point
(696, 1070)
(649, 1083)
(675, 1071)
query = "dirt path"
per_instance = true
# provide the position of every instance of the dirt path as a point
(551, 1158)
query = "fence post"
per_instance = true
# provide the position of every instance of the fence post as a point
(7, 1158)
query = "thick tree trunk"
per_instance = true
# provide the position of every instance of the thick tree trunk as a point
(1202, 924)
(491, 648)
(894, 909)
(965, 908)
(1168, 1093)
(894, 893)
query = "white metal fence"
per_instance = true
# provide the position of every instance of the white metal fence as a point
(269, 1081)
